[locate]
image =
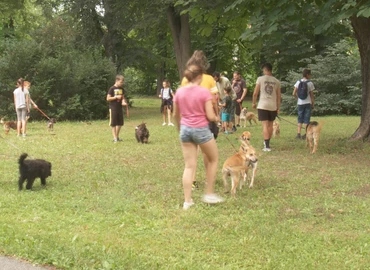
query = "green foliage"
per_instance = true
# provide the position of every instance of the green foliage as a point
(337, 78)
(66, 85)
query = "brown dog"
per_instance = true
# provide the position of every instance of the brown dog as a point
(238, 164)
(51, 123)
(247, 116)
(276, 129)
(8, 125)
(246, 137)
(313, 130)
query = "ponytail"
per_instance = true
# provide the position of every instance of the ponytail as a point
(192, 72)
(20, 83)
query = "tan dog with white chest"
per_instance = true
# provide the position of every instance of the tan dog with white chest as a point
(276, 129)
(247, 116)
(238, 164)
(246, 137)
(313, 130)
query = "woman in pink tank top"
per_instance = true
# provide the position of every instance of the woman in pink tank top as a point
(192, 111)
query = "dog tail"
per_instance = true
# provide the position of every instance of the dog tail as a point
(22, 158)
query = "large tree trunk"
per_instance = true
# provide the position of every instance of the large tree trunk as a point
(361, 27)
(180, 30)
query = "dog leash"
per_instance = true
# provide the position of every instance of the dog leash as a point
(13, 145)
(231, 143)
(280, 118)
(42, 113)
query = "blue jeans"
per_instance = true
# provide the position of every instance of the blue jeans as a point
(195, 135)
(304, 113)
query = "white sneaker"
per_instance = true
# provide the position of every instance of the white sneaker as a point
(170, 124)
(265, 149)
(164, 123)
(212, 198)
(187, 205)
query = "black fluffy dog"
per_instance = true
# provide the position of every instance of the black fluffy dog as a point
(31, 169)
(142, 133)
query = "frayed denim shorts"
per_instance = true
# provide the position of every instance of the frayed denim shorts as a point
(195, 135)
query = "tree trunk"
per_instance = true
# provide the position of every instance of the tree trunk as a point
(180, 30)
(362, 33)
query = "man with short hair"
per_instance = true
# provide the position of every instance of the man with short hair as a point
(240, 87)
(116, 100)
(306, 103)
(269, 102)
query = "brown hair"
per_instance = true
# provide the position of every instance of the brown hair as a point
(306, 72)
(198, 58)
(20, 82)
(228, 89)
(119, 77)
(192, 72)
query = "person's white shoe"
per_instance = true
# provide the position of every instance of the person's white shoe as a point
(212, 198)
(170, 124)
(265, 149)
(164, 123)
(187, 205)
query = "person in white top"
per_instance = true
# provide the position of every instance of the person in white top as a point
(303, 92)
(269, 102)
(167, 102)
(21, 104)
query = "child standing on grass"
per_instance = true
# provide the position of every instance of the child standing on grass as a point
(21, 103)
(167, 97)
(193, 110)
(226, 109)
(27, 85)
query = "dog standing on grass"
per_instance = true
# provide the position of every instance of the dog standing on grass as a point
(247, 116)
(237, 165)
(142, 133)
(313, 130)
(8, 125)
(31, 169)
(276, 129)
(51, 123)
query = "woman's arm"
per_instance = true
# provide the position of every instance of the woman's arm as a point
(176, 116)
(15, 103)
(210, 113)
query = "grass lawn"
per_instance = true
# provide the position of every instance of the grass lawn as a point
(119, 206)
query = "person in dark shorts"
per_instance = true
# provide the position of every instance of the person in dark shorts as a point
(269, 102)
(240, 88)
(116, 100)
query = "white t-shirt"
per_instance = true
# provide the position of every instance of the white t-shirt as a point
(268, 92)
(166, 93)
(311, 87)
(20, 97)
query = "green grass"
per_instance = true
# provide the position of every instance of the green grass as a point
(118, 206)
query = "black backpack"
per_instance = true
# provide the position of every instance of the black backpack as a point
(302, 91)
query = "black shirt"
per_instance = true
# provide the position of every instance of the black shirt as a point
(117, 103)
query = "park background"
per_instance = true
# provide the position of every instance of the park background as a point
(118, 206)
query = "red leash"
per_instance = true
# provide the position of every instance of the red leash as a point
(43, 113)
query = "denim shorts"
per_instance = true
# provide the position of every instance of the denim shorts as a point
(195, 135)
(225, 117)
(304, 113)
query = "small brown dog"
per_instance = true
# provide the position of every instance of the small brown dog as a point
(51, 123)
(246, 137)
(313, 130)
(238, 164)
(247, 116)
(8, 125)
(276, 129)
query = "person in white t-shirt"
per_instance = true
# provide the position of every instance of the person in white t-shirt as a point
(305, 103)
(21, 104)
(269, 102)
(167, 102)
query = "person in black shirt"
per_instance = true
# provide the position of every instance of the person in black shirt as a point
(116, 100)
